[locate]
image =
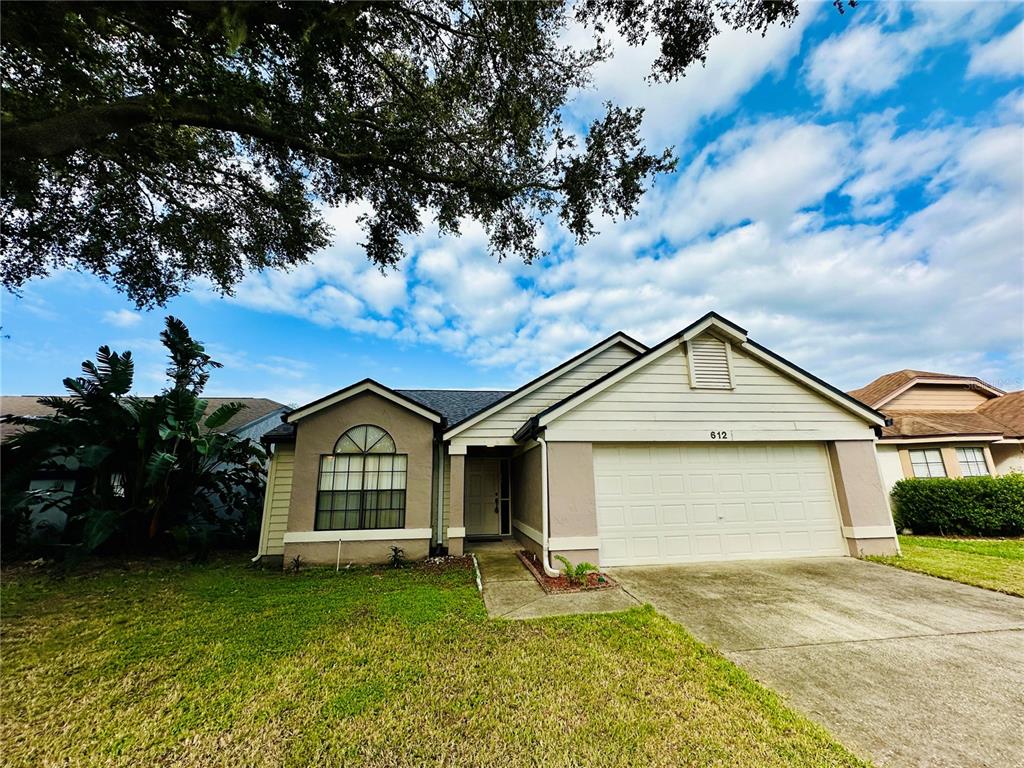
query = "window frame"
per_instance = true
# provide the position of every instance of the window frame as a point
(369, 482)
(927, 463)
(978, 462)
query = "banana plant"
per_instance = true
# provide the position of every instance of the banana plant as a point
(149, 471)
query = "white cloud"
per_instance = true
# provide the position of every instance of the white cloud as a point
(862, 61)
(1002, 57)
(736, 61)
(122, 318)
(875, 53)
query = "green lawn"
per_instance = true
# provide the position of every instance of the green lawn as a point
(991, 563)
(218, 665)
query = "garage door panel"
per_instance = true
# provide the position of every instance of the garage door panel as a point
(673, 514)
(684, 502)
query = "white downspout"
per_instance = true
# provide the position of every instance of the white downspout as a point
(544, 506)
(440, 493)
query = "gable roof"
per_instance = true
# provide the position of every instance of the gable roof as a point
(883, 389)
(1008, 411)
(360, 387)
(723, 326)
(616, 338)
(256, 408)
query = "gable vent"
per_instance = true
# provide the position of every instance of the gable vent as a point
(709, 363)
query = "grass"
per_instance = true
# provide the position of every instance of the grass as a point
(218, 665)
(996, 564)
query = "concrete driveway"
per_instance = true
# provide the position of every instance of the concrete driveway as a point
(905, 669)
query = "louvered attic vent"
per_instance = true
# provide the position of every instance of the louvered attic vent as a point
(709, 363)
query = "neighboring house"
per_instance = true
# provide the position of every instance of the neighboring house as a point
(945, 426)
(258, 417)
(705, 447)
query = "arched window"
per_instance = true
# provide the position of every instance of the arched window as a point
(362, 484)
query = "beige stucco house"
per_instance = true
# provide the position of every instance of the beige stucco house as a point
(944, 425)
(707, 446)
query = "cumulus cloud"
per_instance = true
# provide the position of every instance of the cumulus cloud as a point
(875, 53)
(1002, 57)
(122, 318)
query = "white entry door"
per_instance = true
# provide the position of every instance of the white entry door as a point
(481, 501)
(691, 502)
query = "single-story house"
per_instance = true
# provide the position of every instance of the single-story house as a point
(707, 446)
(945, 425)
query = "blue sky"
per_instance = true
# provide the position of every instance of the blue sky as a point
(850, 190)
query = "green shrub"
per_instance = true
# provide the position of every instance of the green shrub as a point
(967, 506)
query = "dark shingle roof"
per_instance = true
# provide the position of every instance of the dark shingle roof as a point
(940, 423)
(454, 404)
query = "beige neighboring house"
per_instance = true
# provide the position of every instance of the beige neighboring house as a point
(945, 426)
(705, 447)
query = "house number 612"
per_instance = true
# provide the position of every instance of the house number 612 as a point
(723, 435)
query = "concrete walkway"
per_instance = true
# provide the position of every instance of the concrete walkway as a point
(511, 592)
(906, 669)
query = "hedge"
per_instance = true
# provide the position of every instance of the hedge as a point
(966, 506)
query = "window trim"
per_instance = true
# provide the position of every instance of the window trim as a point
(928, 464)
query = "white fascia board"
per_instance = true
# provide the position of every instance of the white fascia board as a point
(358, 389)
(779, 365)
(379, 534)
(615, 378)
(719, 326)
(546, 379)
(969, 383)
(943, 439)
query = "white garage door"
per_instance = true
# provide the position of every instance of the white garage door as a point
(690, 502)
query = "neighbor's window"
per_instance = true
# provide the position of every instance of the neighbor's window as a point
(927, 463)
(362, 484)
(972, 462)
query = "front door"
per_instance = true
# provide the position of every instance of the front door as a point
(482, 508)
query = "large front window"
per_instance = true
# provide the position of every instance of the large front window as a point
(362, 484)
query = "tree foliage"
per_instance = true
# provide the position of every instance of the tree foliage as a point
(157, 143)
(149, 472)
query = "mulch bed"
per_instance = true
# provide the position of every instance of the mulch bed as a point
(560, 584)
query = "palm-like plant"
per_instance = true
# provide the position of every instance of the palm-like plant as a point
(149, 471)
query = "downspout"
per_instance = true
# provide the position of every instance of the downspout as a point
(440, 492)
(544, 506)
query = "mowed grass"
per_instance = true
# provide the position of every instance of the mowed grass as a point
(219, 665)
(996, 564)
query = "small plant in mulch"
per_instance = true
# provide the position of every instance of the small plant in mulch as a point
(580, 578)
(397, 559)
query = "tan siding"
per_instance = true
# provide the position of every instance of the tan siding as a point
(936, 397)
(658, 398)
(279, 495)
(504, 423)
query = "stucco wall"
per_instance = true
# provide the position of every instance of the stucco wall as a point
(357, 552)
(571, 496)
(1008, 458)
(863, 502)
(527, 504)
(890, 466)
(317, 434)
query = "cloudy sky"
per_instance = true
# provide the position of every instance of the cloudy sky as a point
(850, 190)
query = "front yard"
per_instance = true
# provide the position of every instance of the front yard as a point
(220, 665)
(990, 563)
